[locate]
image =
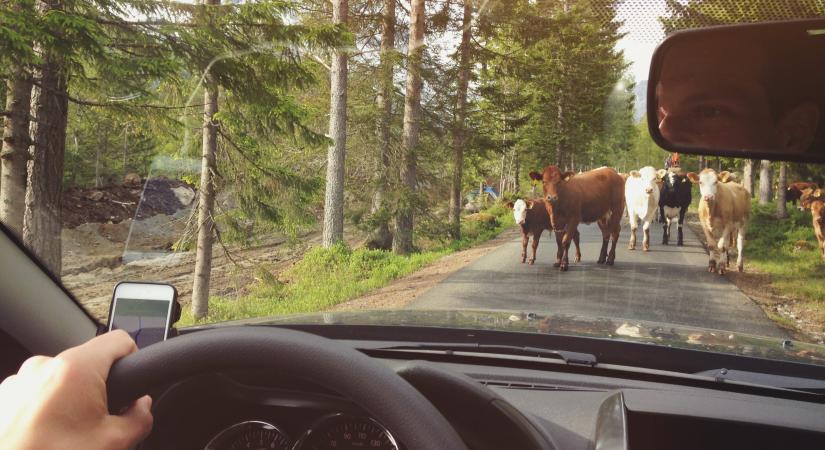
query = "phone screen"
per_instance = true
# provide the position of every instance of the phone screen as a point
(144, 320)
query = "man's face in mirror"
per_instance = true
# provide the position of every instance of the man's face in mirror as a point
(717, 95)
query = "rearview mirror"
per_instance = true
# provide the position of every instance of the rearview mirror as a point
(755, 91)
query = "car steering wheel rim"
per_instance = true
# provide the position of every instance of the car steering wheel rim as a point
(370, 384)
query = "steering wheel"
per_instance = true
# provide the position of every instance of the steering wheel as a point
(368, 383)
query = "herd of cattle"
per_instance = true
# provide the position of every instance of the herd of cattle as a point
(604, 195)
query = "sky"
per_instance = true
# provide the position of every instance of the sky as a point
(644, 33)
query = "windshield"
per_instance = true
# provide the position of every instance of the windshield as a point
(394, 163)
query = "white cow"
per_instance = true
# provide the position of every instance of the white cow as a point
(641, 195)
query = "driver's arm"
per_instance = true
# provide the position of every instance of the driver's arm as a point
(60, 402)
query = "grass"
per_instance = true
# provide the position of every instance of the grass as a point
(787, 251)
(327, 276)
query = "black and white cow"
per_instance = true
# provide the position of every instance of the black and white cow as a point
(674, 200)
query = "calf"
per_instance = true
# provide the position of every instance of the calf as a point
(814, 199)
(533, 219)
(794, 191)
(642, 197)
(593, 196)
(674, 201)
(724, 210)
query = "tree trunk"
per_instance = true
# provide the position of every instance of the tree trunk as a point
(403, 242)
(381, 236)
(459, 127)
(334, 198)
(42, 220)
(516, 170)
(701, 162)
(98, 152)
(206, 201)
(560, 143)
(781, 191)
(747, 176)
(765, 182)
(15, 153)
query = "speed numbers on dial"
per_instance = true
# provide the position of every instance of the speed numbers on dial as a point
(254, 435)
(340, 431)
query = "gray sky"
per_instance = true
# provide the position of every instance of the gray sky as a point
(644, 32)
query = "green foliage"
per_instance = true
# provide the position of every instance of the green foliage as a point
(773, 247)
(328, 276)
(550, 86)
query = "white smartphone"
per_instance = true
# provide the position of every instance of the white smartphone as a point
(144, 310)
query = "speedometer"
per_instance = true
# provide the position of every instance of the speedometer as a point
(252, 434)
(340, 431)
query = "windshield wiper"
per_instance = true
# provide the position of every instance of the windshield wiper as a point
(766, 379)
(584, 359)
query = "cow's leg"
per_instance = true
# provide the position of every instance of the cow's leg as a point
(535, 245)
(634, 225)
(662, 218)
(605, 239)
(578, 250)
(821, 240)
(611, 257)
(559, 248)
(525, 238)
(680, 237)
(712, 251)
(646, 238)
(666, 231)
(614, 228)
(569, 232)
(740, 245)
(722, 246)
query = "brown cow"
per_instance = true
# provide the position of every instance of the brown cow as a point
(794, 190)
(593, 196)
(724, 209)
(814, 199)
(531, 216)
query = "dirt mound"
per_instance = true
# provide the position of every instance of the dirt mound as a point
(116, 203)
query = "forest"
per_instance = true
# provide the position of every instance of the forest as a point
(286, 116)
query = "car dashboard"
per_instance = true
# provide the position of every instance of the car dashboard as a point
(240, 410)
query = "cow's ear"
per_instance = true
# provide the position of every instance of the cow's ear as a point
(510, 205)
(635, 174)
(723, 176)
(530, 204)
(567, 175)
(661, 173)
(693, 177)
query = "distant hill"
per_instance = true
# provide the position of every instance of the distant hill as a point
(640, 106)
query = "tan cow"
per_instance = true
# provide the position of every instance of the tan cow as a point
(814, 199)
(724, 210)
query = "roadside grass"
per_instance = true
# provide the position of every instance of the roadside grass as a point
(787, 251)
(325, 277)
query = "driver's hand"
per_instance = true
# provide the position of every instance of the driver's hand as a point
(60, 402)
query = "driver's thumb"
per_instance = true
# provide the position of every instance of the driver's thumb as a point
(134, 424)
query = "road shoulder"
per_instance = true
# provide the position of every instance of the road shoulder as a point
(403, 291)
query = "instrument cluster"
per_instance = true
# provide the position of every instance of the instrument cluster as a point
(333, 431)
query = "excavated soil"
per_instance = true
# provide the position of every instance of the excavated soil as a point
(116, 203)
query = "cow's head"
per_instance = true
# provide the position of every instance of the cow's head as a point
(520, 208)
(551, 178)
(708, 181)
(647, 177)
(810, 195)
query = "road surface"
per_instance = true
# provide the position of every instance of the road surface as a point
(668, 284)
